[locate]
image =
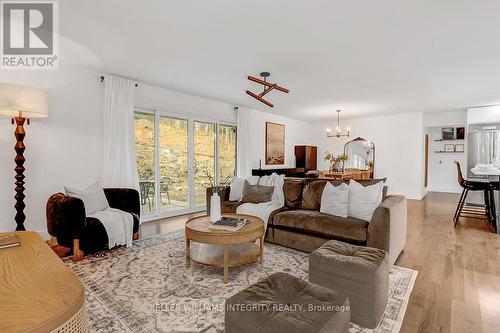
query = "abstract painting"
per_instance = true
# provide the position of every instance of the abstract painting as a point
(275, 144)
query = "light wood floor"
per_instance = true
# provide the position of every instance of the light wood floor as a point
(458, 284)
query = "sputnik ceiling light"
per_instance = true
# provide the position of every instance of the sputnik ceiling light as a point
(338, 132)
(267, 88)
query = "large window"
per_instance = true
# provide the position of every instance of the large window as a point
(227, 152)
(145, 151)
(173, 137)
(176, 158)
(204, 158)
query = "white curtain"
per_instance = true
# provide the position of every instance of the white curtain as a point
(119, 169)
(243, 160)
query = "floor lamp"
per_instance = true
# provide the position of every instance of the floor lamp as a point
(21, 103)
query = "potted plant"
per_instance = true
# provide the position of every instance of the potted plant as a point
(335, 161)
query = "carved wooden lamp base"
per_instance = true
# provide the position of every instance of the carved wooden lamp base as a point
(19, 133)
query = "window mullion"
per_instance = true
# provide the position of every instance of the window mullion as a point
(157, 164)
(191, 185)
(217, 152)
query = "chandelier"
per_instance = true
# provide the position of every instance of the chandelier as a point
(338, 132)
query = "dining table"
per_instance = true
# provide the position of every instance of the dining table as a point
(338, 175)
(493, 174)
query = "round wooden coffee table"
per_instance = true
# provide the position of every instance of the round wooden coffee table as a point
(197, 230)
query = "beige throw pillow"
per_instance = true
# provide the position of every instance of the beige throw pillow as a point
(256, 193)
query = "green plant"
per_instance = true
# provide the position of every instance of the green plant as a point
(334, 159)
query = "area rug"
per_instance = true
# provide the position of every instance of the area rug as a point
(147, 287)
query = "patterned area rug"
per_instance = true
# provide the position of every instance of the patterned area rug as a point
(147, 287)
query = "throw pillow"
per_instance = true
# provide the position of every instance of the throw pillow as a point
(236, 189)
(256, 193)
(237, 185)
(335, 200)
(363, 200)
(93, 197)
(311, 195)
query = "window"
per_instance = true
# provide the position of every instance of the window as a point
(173, 137)
(227, 151)
(204, 159)
(145, 151)
(176, 156)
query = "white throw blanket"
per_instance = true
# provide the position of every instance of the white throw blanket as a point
(119, 226)
(263, 210)
(260, 210)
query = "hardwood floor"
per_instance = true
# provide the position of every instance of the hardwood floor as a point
(458, 284)
(153, 228)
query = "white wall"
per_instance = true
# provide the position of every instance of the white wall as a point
(156, 98)
(483, 114)
(63, 149)
(445, 119)
(398, 143)
(442, 169)
(296, 133)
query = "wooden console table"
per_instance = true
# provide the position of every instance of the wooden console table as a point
(39, 293)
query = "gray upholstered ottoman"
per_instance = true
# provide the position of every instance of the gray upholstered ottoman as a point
(282, 303)
(361, 273)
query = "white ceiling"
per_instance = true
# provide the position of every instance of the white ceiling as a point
(364, 57)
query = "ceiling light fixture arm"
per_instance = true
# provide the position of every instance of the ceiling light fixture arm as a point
(267, 88)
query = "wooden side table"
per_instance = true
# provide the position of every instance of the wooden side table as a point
(39, 293)
(197, 231)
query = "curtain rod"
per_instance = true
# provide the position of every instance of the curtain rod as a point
(102, 80)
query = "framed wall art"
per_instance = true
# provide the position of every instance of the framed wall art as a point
(275, 144)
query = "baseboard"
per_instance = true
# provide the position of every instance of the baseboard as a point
(444, 190)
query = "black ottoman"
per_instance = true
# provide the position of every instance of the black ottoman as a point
(284, 303)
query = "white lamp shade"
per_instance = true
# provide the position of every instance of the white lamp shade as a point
(31, 102)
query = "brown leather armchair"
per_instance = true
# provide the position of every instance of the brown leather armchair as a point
(66, 220)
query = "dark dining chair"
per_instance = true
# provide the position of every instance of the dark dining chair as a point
(488, 211)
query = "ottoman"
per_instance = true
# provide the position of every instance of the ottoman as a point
(361, 273)
(282, 303)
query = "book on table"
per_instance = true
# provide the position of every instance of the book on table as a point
(9, 240)
(228, 223)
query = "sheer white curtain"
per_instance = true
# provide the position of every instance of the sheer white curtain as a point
(243, 159)
(119, 167)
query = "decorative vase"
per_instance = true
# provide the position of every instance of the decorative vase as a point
(215, 214)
